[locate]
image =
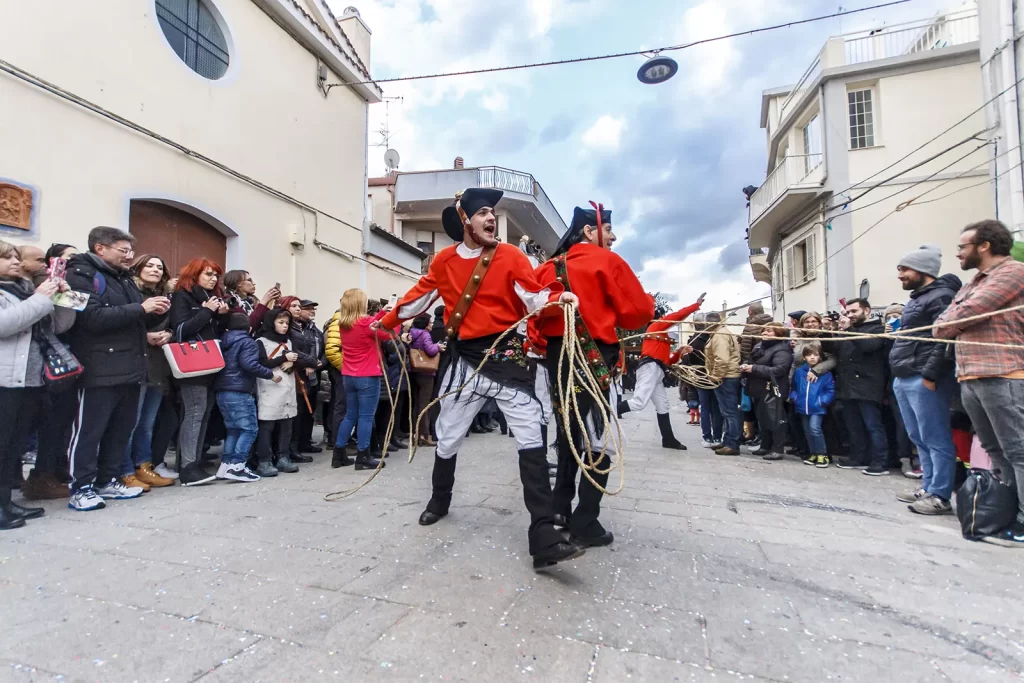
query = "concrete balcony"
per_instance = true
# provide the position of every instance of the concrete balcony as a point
(759, 266)
(524, 210)
(786, 190)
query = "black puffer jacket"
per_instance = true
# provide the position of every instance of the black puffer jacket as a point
(909, 357)
(307, 340)
(109, 336)
(862, 364)
(770, 359)
(191, 321)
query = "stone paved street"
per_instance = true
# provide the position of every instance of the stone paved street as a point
(722, 569)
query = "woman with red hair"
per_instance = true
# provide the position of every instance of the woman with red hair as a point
(197, 312)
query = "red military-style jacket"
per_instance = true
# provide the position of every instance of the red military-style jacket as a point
(509, 290)
(610, 294)
(657, 346)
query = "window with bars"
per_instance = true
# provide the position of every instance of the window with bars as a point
(194, 35)
(862, 118)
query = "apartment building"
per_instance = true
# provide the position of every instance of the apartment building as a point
(408, 206)
(871, 155)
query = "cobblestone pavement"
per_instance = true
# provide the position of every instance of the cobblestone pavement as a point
(722, 569)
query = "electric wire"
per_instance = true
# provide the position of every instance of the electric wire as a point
(634, 53)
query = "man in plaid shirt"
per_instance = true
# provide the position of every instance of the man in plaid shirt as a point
(992, 379)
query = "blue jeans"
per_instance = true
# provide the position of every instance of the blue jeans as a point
(812, 432)
(868, 445)
(728, 396)
(361, 395)
(926, 416)
(239, 413)
(140, 448)
(710, 416)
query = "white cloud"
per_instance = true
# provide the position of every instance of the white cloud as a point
(699, 272)
(605, 134)
(414, 37)
(495, 101)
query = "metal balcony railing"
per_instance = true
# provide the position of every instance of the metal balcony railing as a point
(919, 36)
(797, 93)
(794, 170)
(956, 28)
(506, 179)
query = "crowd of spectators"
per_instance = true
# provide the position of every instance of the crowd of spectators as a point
(831, 389)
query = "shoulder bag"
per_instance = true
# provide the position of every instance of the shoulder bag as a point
(193, 359)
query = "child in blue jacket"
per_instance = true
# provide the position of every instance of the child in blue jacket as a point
(236, 397)
(811, 398)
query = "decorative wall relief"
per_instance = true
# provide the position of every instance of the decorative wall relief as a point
(15, 206)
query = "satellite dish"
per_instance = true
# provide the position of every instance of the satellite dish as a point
(865, 289)
(391, 159)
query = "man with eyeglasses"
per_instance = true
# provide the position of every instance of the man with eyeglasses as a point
(992, 379)
(109, 339)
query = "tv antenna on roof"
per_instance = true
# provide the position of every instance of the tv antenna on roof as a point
(385, 130)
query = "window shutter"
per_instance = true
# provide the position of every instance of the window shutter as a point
(777, 285)
(790, 266)
(811, 256)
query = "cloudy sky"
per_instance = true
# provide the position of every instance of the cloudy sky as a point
(670, 159)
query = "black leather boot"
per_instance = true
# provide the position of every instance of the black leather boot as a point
(442, 481)
(584, 527)
(623, 408)
(364, 461)
(9, 518)
(668, 439)
(547, 545)
(340, 459)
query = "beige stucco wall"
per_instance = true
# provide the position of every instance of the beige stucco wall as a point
(265, 118)
(915, 107)
(911, 109)
(381, 206)
(877, 253)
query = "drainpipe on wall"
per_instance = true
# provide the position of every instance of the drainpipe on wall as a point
(824, 177)
(366, 190)
(391, 191)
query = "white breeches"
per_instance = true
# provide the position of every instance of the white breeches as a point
(649, 387)
(543, 391)
(522, 412)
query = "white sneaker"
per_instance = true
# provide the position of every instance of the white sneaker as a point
(165, 471)
(85, 500)
(236, 472)
(710, 444)
(115, 490)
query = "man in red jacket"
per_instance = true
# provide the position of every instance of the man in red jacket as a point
(487, 287)
(650, 374)
(610, 296)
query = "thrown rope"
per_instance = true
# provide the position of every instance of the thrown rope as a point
(580, 378)
(403, 375)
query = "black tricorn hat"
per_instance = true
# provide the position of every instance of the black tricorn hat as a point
(471, 201)
(581, 218)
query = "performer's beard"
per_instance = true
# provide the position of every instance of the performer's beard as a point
(486, 235)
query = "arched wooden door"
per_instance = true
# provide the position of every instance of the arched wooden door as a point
(175, 235)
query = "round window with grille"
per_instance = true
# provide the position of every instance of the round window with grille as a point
(195, 36)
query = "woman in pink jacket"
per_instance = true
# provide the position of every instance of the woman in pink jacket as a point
(361, 373)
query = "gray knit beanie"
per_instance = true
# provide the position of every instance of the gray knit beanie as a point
(927, 259)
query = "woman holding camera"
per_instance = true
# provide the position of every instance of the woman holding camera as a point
(197, 309)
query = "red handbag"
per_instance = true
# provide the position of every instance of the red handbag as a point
(194, 359)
